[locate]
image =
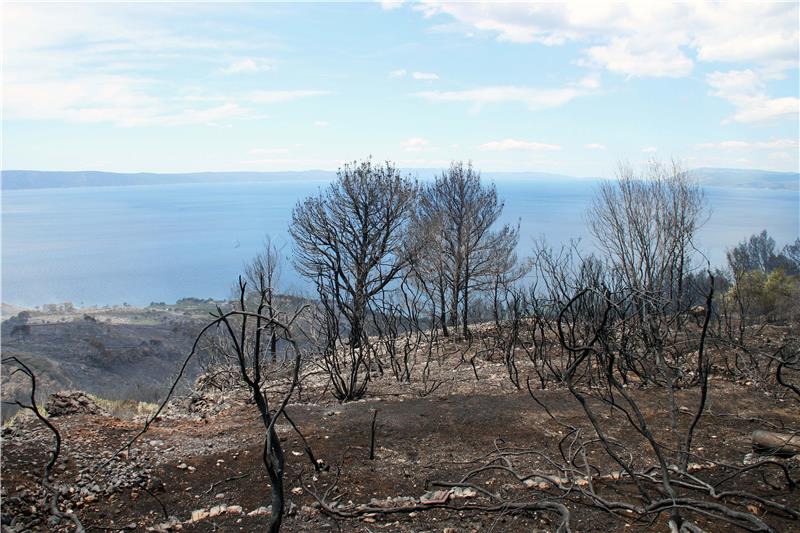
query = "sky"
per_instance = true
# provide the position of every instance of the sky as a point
(550, 87)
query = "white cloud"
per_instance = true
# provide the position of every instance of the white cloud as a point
(128, 102)
(289, 163)
(647, 39)
(764, 33)
(724, 145)
(67, 98)
(595, 146)
(776, 144)
(735, 85)
(637, 59)
(246, 66)
(96, 30)
(401, 73)
(119, 100)
(533, 98)
(321, 123)
(639, 38)
(211, 116)
(268, 151)
(779, 143)
(417, 144)
(746, 90)
(519, 23)
(115, 64)
(515, 144)
(389, 5)
(649, 150)
(425, 76)
(272, 97)
(764, 109)
(418, 162)
(590, 82)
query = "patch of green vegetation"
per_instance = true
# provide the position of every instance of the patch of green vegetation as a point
(125, 409)
(13, 419)
(21, 414)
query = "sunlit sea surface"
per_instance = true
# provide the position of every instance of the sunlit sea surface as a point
(142, 244)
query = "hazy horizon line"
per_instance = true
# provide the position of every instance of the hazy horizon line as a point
(333, 171)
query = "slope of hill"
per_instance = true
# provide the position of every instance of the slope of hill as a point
(448, 461)
(116, 352)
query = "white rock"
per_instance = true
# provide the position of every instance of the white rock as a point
(216, 510)
(200, 514)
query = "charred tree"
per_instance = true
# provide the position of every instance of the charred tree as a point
(351, 240)
(456, 215)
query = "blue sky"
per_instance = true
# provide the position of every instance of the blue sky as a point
(566, 88)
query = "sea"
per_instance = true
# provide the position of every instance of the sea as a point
(158, 243)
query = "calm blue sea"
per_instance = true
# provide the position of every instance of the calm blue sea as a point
(110, 245)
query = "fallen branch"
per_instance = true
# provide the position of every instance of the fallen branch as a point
(226, 480)
(773, 443)
(317, 464)
(505, 506)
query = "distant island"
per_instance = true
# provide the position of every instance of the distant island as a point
(38, 179)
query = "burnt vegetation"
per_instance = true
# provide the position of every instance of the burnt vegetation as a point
(636, 332)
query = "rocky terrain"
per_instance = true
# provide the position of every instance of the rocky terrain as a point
(198, 467)
(119, 353)
(116, 352)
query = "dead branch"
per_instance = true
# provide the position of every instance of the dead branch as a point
(372, 435)
(226, 480)
(772, 443)
(46, 480)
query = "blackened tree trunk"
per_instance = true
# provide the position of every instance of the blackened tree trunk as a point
(455, 217)
(352, 240)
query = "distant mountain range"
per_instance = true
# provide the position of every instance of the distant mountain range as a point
(41, 179)
(36, 179)
(750, 178)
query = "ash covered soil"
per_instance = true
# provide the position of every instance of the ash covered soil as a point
(198, 468)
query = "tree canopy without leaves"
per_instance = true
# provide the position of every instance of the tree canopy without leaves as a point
(462, 253)
(645, 225)
(351, 238)
(263, 273)
(646, 222)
